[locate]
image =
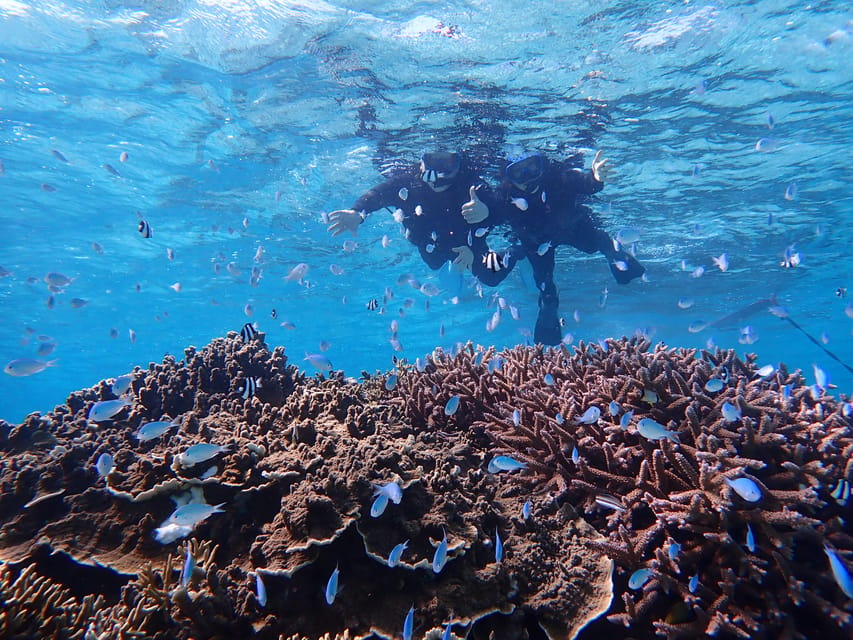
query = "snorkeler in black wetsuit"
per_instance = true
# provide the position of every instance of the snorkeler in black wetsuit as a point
(440, 202)
(543, 203)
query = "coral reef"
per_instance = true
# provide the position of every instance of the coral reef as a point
(716, 564)
(294, 473)
(705, 494)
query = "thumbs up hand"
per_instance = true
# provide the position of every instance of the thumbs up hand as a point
(475, 210)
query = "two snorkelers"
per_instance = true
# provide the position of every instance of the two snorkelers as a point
(448, 210)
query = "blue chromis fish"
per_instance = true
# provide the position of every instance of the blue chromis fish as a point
(614, 408)
(122, 383)
(332, 586)
(750, 539)
(499, 547)
(452, 406)
(652, 430)
(319, 361)
(190, 514)
(189, 567)
(378, 506)
(713, 385)
(439, 559)
(526, 510)
(639, 578)
(504, 463)
(409, 623)
(694, 583)
(390, 489)
(730, 412)
(106, 409)
(626, 419)
(839, 571)
(548, 379)
(674, 550)
(152, 430)
(590, 416)
(105, 465)
(199, 453)
(745, 488)
(396, 554)
(261, 590)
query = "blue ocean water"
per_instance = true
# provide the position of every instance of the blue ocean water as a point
(244, 122)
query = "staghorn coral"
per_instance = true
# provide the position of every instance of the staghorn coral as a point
(795, 446)
(296, 483)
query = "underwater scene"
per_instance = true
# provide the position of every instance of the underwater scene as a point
(466, 319)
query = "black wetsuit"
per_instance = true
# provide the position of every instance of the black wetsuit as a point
(555, 213)
(433, 220)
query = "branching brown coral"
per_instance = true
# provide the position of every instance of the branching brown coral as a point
(795, 447)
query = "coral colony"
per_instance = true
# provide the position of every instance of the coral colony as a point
(620, 490)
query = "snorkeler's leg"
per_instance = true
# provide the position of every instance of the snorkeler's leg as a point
(547, 329)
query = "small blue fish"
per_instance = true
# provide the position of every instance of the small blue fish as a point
(516, 417)
(765, 371)
(839, 571)
(615, 408)
(626, 419)
(332, 586)
(378, 506)
(396, 554)
(652, 430)
(390, 489)
(439, 559)
(106, 409)
(730, 412)
(105, 465)
(548, 379)
(750, 539)
(525, 510)
(713, 385)
(694, 583)
(319, 361)
(559, 419)
(589, 416)
(745, 488)
(505, 463)
(639, 578)
(499, 547)
(576, 456)
(409, 623)
(821, 377)
(152, 430)
(452, 406)
(261, 590)
(391, 382)
(189, 567)
(674, 550)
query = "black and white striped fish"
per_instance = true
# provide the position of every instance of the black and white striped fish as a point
(248, 332)
(372, 304)
(144, 229)
(493, 262)
(250, 387)
(841, 492)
